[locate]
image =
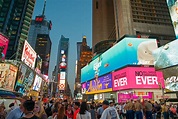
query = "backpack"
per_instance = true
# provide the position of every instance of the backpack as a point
(48, 110)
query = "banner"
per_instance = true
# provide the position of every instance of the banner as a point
(37, 83)
(98, 85)
(137, 78)
(8, 74)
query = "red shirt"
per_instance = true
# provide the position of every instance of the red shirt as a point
(76, 112)
(69, 114)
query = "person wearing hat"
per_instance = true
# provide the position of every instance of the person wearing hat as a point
(109, 112)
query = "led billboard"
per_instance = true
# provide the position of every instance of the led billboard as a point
(4, 44)
(8, 74)
(173, 10)
(136, 78)
(99, 85)
(171, 78)
(129, 51)
(166, 55)
(25, 78)
(28, 55)
(37, 83)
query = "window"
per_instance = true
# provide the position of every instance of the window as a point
(96, 4)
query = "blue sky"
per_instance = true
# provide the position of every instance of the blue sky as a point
(71, 18)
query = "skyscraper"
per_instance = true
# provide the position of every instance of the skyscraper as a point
(43, 49)
(84, 56)
(15, 18)
(62, 64)
(39, 25)
(133, 17)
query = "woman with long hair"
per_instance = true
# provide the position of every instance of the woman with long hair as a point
(61, 113)
(69, 112)
(84, 114)
(39, 110)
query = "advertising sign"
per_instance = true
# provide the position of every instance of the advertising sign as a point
(20, 78)
(166, 55)
(123, 97)
(8, 74)
(28, 55)
(101, 84)
(4, 44)
(171, 78)
(173, 9)
(28, 80)
(37, 83)
(62, 75)
(61, 85)
(129, 51)
(137, 78)
(84, 88)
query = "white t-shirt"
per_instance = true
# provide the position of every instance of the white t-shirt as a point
(110, 113)
(87, 115)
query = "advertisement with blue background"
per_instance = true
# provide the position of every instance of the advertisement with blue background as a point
(172, 5)
(128, 51)
(99, 85)
(166, 55)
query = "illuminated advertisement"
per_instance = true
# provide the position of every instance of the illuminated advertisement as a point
(171, 78)
(137, 78)
(4, 44)
(166, 55)
(8, 74)
(173, 9)
(123, 97)
(98, 85)
(129, 51)
(28, 55)
(37, 83)
(25, 78)
(62, 75)
(84, 88)
(61, 85)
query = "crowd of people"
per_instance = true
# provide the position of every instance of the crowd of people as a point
(64, 109)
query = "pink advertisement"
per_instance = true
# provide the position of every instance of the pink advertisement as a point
(4, 44)
(137, 78)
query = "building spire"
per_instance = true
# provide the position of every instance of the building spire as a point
(44, 8)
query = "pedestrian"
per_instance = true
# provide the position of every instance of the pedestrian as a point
(165, 111)
(39, 110)
(69, 112)
(109, 112)
(2, 112)
(27, 109)
(93, 112)
(83, 113)
(99, 111)
(148, 110)
(129, 107)
(54, 114)
(138, 110)
(76, 109)
(61, 113)
(17, 112)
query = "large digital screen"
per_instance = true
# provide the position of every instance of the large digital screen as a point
(166, 55)
(28, 55)
(25, 78)
(173, 9)
(4, 44)
(171, 78)
(8, 74)
(136, 78)
(129, 51)
(37, 83)
(99, 85)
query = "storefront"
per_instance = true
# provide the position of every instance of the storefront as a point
(137, 83)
